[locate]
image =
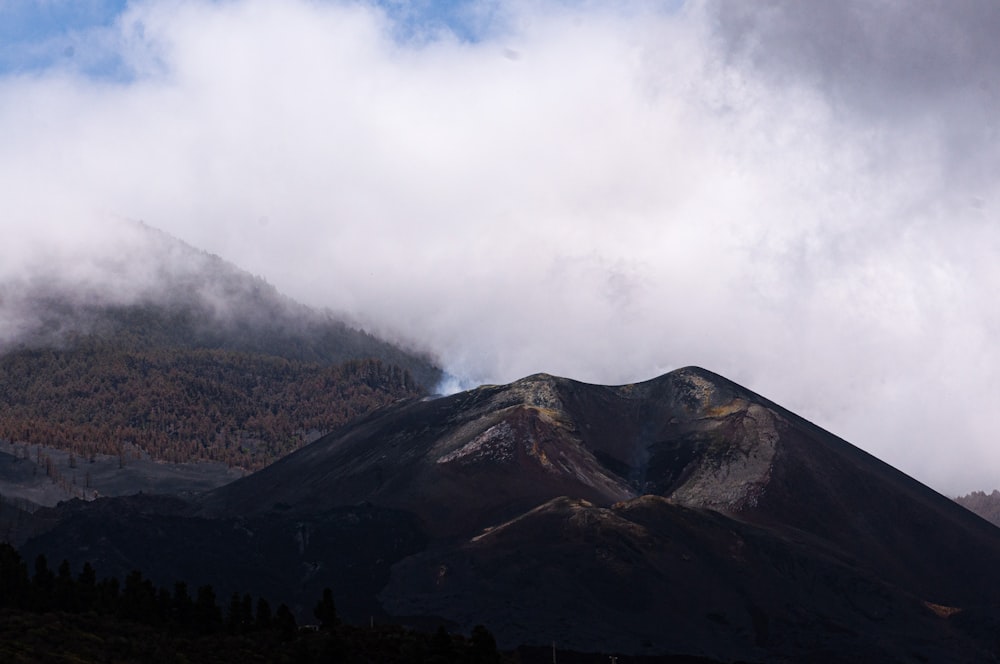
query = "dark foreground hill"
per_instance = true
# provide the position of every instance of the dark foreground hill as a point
(683, 515)
(188, 358)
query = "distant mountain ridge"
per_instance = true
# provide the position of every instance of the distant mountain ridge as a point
(175, 352)
(186, 298)
(986, 505)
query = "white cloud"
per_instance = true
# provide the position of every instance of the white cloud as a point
(801, 197)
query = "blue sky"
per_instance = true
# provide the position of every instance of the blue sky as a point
(31, 21)
(38, 35)
(61, 35)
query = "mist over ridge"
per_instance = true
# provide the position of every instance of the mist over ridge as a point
(799, 197)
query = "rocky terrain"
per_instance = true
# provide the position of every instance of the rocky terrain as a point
(986, 505)
(683, 515)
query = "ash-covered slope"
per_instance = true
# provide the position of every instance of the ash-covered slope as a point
(689, 435)
(474, 458)
(771, 505)
(684, 514)
(460, 462)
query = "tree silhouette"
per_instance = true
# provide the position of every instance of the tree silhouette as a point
(181, 606)
(65, 589)
(138, 601)
(207, 616)
(108, 595)
(137, 611)
(483, 647)
(239, 618)
(15, 585)
(441, 648)
(285, 623)
(263, 621)
(86, 588)
(43, 583)
(326, 612)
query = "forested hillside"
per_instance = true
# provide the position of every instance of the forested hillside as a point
(52, 615)
(181, 405)
(189, 358)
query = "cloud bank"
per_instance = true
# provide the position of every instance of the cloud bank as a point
(800, 196)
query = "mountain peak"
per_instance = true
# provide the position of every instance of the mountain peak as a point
(481, 457)
(689, 435)
(684, 514)
(539, 390)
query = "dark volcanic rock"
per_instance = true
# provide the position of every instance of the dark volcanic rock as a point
(460, 462)
(685, 514)
(287, 560)
(651, 576)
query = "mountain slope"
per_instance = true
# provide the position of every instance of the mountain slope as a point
(647, 575)
(691, 436)
(684, 514)
(164, 293)
(177, 406)
(188, 358)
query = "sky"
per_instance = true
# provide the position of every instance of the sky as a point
(801, 196)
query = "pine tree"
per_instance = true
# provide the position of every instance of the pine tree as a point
(207, 616)
(326, 612)
(483, 647)
(181, 606)
(285, 623)
(441, 648)
(239, 618)
(108, 595)
(86, 584)
(246, 613)
(65, 595)
(43, 584)
(263, 621)
(15, 585)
